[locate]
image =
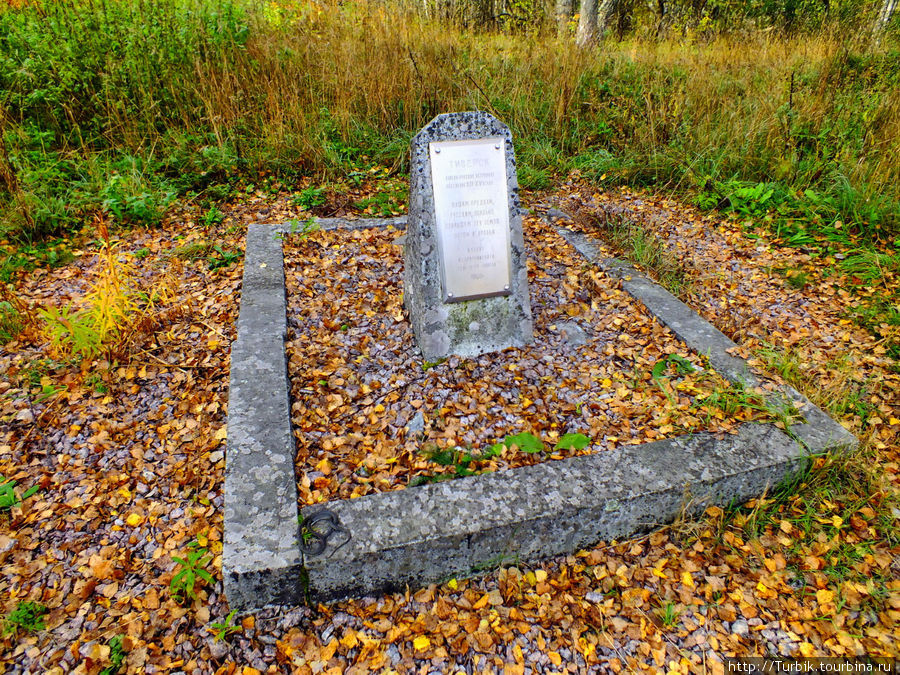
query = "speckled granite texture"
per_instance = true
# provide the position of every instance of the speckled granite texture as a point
(261, 555)
(474, 326)
(421, 535)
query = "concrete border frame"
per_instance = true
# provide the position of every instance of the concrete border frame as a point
(418, 536)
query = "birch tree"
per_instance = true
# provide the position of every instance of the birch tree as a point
(586, 34)
(884, 15)
(563, 14)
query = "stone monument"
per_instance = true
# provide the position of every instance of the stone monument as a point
(465, 280)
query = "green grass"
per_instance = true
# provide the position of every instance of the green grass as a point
(821, 502)
(121, 107)
(11, 322)
(648, 250)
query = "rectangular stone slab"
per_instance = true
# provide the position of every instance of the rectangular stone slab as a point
(261, 558)
(420, 535)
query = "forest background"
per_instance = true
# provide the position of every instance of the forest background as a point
(786, 110)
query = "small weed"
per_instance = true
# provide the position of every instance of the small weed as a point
(116, 656)
(463, 461)
(192, 571)
(11, 323)
(309, 198)
(682, 367)
(496, 562)
(27, 617)
(304, 228)
(795, 278)
(783, 362)
(141, 253)
(648, 250)
(8, 498)
(222, 258)
(112, 305)
(734, 399)
(221, 630)
(212, 217)
(95, 382)
(428, 365)
(193, 251)
(668, 614)
(384, 204)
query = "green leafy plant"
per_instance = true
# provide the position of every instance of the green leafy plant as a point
(72, 330)
(110, 309)
(95, 382)
(460, 459)
(222, 629)
(525, 442)
(27, 617)
(8, 498)
(223, 259)
(455, 457)
(572, 442)
(192, 571)
(682, 367)
(212, 217)
(116, 656)
(309, 198)
(383, 203)
(304, 228)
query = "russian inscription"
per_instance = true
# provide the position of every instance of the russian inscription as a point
(472, 217)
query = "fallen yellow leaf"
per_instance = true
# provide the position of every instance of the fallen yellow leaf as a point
(421, 643)
(824, 596)
(134, 520)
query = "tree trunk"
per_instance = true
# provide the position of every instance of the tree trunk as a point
(884, 15)
(606, 14)
(587, 24)
(563, 14)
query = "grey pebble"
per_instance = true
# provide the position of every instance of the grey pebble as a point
(740, 627)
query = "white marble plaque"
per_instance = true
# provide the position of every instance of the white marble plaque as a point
(471, 208)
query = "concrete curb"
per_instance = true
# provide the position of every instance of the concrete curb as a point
(261, 559)
(422, 535)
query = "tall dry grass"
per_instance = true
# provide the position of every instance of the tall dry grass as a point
(208, 89)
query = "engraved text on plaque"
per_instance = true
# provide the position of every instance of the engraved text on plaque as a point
(472, 217)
